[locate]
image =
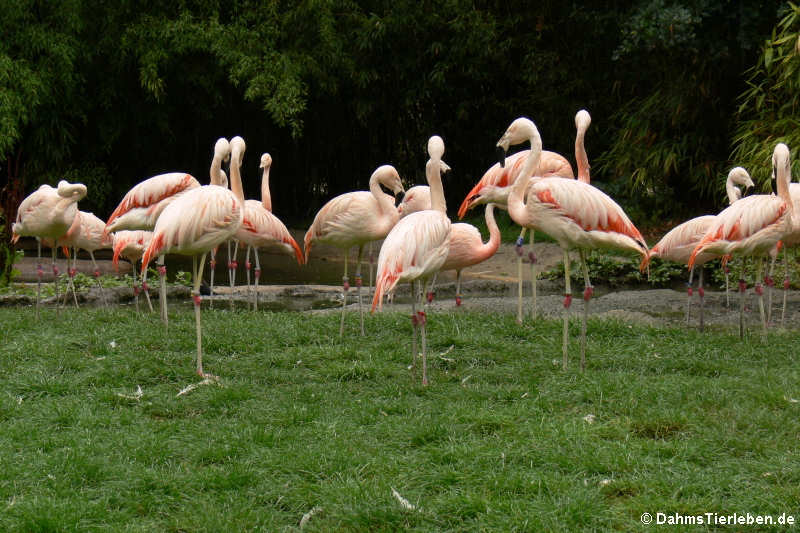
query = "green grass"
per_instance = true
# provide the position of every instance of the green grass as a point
(684, 423)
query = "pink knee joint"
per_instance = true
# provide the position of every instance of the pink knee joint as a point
(71, 272)
(702, 292)
(458, 300)
(358, 281)
(532, 257)
(567, 301)
(786, 284)
(759, 289)
(742, 285)
(162, 270)
(96, 273)
(258, 273)
(430, 296)
(197, 299)
(587, 293)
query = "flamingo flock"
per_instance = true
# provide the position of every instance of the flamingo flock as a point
(173, 213)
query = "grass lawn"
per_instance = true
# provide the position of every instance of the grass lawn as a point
(500, 441)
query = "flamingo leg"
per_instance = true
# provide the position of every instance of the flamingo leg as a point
(162, 291)
(768, 282)
(785, 284)
(701, 293)
(358, 287)
(458, 288)
(742, 288)
(689, 295)
(71, 276)
(135, 289)
(760, 291)
(371, 265)
(212, 266)
(430, 293)
(422, 320)
(567, 303)
(97, 277)
(518, 249)
(232, 266)
(39, 273)
(413, 324)
(588, 291)
(345, 288)
(54, 252)
(534, 277)
(198, 275)
(727, 270)
(146, 291)
(247, 266)
(257, 277)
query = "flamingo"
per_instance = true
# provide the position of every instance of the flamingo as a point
(260, 227)
(131, 245)
(416, 248)
(737, 177)
(354, 219)
(193, 224)
(466, 244)
(86, 233)
(574, 213)
(677, 245)
(504, 176)
(141, 207)
(47, 213)
(751, 227)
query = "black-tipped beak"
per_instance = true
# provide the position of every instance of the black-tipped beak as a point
(501, 156)
(748, 190)
(398, 198)
(774, 186)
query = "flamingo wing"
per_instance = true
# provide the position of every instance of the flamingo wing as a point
(415, 248)
(261, 228)
(152, 191)
(678, 243)
(587, 206)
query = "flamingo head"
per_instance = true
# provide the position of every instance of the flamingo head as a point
(781, 166)
(387, 176)
(417, 198)
(222, 149)
(266, 161)
(436, 147)
(518, 132)
(489, 194)
(582, 120)
(739, 176)
(74, 191)
(238, 147)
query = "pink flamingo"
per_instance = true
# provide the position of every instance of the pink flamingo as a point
(751, 227)
(466, 244)
(354, 219)
(131, 244)
(677, 245)
(47, 213)
(416, 248)
(86, 233)
(260, 228)
(193, 224)
(575, 214)
(505, 176)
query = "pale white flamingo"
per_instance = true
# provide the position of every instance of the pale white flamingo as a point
(48, 212)
(751, 227)
(86, 233)
(260, 228)
(550, 165)
(355, 219)
(466, 244)
(416, 248)
(131, 244)
(575, 214)
(193, 224)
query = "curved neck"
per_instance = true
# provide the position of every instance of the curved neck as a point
(236, 178)
(384, 200)
(433, 170)
(491, 246)
(266, 199)
(516, 205)
(734, 193)
(580, 156)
